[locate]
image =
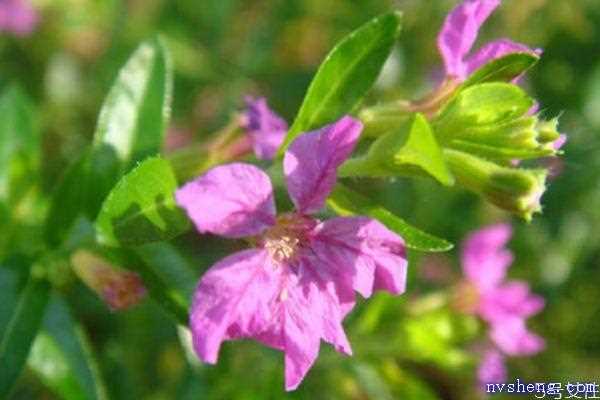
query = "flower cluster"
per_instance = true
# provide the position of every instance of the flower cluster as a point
(503, 305)
(296, 283)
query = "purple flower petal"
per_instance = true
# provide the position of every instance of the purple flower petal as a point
(459, 33)
(484, 258)
(312, 311)
(513, 338)
(287, 307)
(265, 128)
(491, 368)
(233, 200)
(235, 298)
(18, 17)
(365, 252)
(494, 50)
(560, 142)
(513, 299)
(311, 161)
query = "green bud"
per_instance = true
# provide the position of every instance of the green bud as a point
(492, 120)
(547, 131)
(513, 189)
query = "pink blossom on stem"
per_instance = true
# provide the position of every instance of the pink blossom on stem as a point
(298, 282)
(265, 128)
(459, 33)
(17, 17)
(503, 305)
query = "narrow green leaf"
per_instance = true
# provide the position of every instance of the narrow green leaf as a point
(63, 359)
(19, 145)
(346, 74)
(10, 296)
(503, 69)
(141, 208)
(136, 111)
(81, 191)
(345, 202)
(130, 127)
(48, 362)
(173, 268)
(21, 331)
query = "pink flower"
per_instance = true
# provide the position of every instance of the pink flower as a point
(265, 128)
(492, 368)
(459, 33)
(17, 17)
(504, 305)
(296, 285)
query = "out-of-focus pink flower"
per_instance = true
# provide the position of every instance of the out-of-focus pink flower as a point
(17, 17)
(491, 368)
(459, 33)
(504, 305)
(294, 288)
(177, 138)
(266, 129)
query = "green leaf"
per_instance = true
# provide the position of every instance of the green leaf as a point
(346, 74)
(21, 331)
(141, 208)
(48, 362)
(19, 145)
(81, 191)
(402, 151)
(10, 295)
(63, 358)
(503, 69)
(172, 267)
(136, 111)
(130, 127)
(345, 202)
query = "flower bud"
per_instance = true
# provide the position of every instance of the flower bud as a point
(493, 121)
(119, 288)
(513, 189)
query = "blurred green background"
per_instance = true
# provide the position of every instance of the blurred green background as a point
(405, 348)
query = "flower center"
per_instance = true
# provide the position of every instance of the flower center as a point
(284, 240)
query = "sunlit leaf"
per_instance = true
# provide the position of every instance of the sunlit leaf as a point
(346, 74)
(19, 145)
(63, 358)
(136, 111)
(130, 127)
(141, 208)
